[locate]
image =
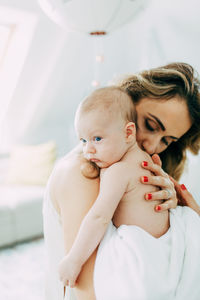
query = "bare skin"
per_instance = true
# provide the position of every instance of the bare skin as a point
(185, 198)
(181, 195)
(158, 126)
(158, 123)
(71, 190)
(83, 192)
(73, 194)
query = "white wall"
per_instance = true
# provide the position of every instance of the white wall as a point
(56, 76)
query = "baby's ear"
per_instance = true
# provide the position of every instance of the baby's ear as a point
(130, 131)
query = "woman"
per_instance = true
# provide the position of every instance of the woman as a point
(162, 96)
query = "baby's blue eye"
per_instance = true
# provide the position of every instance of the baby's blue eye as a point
(83, 141)
(97, 138)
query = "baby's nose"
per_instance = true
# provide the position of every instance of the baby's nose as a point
(90, 148)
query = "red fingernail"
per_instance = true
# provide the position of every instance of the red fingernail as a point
(145, 179)
(183, 187)
(145, 163)
(158, 207)
(149, 196)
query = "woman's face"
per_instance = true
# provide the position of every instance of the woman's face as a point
(159, 123)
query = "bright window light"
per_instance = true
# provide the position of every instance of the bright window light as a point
(16, 32)
(6, 32)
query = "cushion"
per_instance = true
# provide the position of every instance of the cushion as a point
(31, 164)
(4, 161)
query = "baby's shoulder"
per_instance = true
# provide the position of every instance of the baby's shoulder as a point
(118, 166)
(115, 170)
(133, 168)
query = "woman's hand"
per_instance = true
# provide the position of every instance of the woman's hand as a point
(162, 180)
(185, 198)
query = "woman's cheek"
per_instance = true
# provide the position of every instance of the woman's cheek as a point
(160, 149)
(139, 137)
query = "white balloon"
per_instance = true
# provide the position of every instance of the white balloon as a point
(92, 16)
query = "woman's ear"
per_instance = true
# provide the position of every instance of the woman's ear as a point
(130, 132)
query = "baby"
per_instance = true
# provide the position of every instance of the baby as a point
(105, 124)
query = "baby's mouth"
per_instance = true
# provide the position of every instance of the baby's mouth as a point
(94, 160)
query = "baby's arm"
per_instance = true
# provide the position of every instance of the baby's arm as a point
(112, 187)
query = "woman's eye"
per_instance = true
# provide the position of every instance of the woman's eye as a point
(165, 142)
(97, 138)
(148, 126)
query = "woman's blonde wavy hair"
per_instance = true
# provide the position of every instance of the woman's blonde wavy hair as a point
(163, 83)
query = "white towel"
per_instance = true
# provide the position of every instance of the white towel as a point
(133, 265)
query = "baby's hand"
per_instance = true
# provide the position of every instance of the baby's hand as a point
(68, 271)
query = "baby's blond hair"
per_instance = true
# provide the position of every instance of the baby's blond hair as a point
(113, 100)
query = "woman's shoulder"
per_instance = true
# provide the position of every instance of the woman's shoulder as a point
(64, 176)
(67, 179)
(66, 167)
(68, 173)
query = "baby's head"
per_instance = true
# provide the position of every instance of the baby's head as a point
(104, 123)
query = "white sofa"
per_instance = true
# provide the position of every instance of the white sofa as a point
(23, 177)
(20, 213)
(20, 210)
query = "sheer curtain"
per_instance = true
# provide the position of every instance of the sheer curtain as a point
(16, 32)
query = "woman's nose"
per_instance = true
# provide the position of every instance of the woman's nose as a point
(150, 145)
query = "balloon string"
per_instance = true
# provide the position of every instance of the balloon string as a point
(98, 60)
(98, 33)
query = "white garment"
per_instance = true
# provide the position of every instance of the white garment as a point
(54, 248)
(133, 265)
(130, 263)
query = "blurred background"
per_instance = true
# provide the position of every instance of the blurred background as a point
(45, 71)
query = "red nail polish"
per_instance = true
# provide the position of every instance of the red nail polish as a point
(145, 163)
(145, 179)
(149, 196)
(183, 187)
(158, 207)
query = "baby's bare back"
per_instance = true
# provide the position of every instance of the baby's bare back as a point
(133, 209)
